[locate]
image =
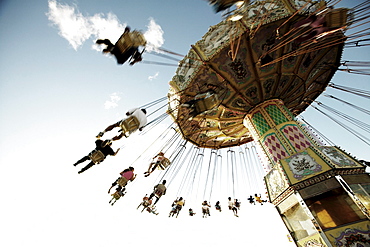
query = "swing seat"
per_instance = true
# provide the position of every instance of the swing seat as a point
(205, 210)
(96, 156)
(336, 18)
(117, 195)
(122, 181)
(164, 164)
(129, 40)
(158, 193)
(207, 103)
(129, 125)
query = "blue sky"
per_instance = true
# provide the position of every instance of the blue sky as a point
(55, 97)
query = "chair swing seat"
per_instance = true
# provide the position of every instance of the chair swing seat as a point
(97, 156)
(127, 45)
(122, 181)
(158, 193)
(129, 125)
(129, 40)
(336, 18)
(207, 103)
(164, 164)
(117, 195)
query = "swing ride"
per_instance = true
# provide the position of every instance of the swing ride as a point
(252, 60)
(267, 62)
(247, 81)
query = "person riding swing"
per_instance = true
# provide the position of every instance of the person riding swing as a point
(136, 120)
(258, 199)
(202, 102)
(98, 155)
(145, 203)
(205, 209)
(161, 163)
(126, 47)
(218, 206)
(120, 192)
(191, 212)
(177, 206)
(126, 175)
(159, 190)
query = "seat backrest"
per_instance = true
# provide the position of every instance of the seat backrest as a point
(124, 43)
(129, 124)
(97, 156)
(207, 103)
(122, 181)
(117, 195)
(131, 39)
(164, 164)
(336, 17)
(158, 192)
(137, 38)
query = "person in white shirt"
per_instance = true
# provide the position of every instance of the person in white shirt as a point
(136, 120)
(232, 207)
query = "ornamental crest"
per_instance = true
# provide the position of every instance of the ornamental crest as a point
(302, 165)
(337, 157)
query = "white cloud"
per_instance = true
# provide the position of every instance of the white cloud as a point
(72, 25)
(152, 77)
(112, 103)
(153, 36)
(77, 28)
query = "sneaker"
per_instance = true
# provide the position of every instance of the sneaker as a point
(100, 135)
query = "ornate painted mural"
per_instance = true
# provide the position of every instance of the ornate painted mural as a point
(353, 237)
(338, 158)
(276, 183)
(303, 165)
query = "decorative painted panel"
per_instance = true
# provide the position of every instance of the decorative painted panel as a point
(296, 137)
(276, 183)
(355, 235)
(274, 148)
(302, 166)
(260, 123)
(276, 115)
(338, 158)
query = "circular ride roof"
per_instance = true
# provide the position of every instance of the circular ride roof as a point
(246, 63)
